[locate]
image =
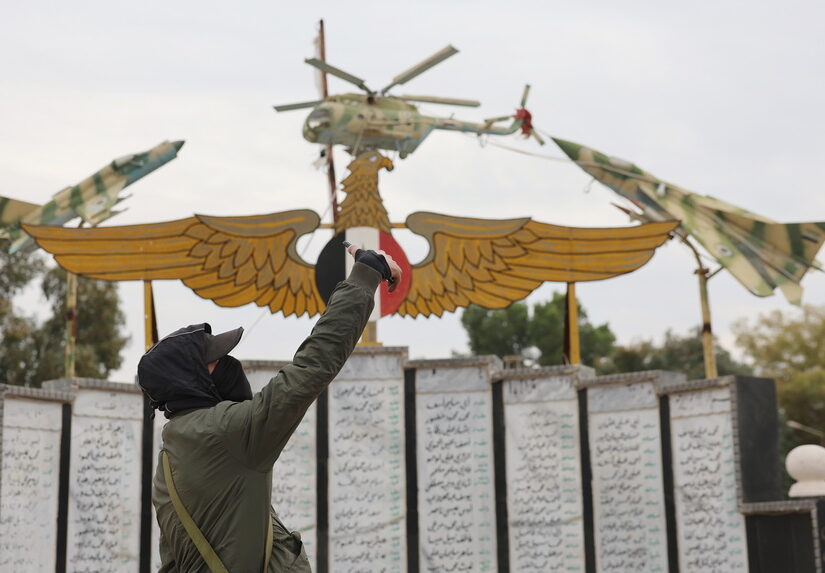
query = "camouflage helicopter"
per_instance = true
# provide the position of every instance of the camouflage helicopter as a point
(377, 120)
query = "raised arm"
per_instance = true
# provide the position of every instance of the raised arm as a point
(256, 431)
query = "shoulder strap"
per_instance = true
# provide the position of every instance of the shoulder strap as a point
(268, 544)
(209, 556)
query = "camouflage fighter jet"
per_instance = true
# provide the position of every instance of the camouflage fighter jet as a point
(92, 199)
(759, 252)
(375, 120)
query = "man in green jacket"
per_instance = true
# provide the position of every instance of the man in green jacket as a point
(221, 442)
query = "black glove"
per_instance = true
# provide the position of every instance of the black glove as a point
(375, 261)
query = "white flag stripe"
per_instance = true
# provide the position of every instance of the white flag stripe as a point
(365, 238)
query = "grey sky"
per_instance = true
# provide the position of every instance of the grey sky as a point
(723, 98)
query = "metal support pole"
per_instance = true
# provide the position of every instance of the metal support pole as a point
(71, 325)
(150, 335)
(572, 346)
(707, 332)
(333, 185)
(70, 356)
(370, 335)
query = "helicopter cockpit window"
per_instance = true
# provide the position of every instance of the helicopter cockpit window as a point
(318, 118)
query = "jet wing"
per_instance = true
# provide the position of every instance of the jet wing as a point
(99, 207)
(761, 256)
(718, 204)
(12, 210)
(797, 241)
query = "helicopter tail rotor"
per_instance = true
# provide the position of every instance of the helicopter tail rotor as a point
(523, 114)
(524, 95)
(493, 120)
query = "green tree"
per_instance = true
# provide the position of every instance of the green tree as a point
(99, 320)
(516, 330)
(783, 344)
(16, 331)
(547, 333)
(500, 332)
(33, 351)
(676, 353)
(19, 350)
(16, 271)
(790, 347)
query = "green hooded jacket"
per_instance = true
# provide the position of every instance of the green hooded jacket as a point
(221, 457)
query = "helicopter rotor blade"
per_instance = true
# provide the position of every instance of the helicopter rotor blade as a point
(524, 95)
(325, 67)
(442, 100)
(498, 119)
(421, 67)
(301, 105)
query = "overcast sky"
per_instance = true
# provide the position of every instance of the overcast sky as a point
(723, 98)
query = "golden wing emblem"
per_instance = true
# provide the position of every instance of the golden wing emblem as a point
(230, 260)
(493, 263)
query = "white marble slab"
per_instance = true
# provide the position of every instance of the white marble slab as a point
(711, 531)
(544, 497)
(29, 490)
(104, 482)
(456, 491)
(628, 493)
(373, 366)
(367, 503)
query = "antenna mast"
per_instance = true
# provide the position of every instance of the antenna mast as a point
(322, 55)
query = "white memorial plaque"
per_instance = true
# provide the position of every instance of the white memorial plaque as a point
(456, 490)
(294, 492)
(544, 499)
(367, 503)
(29, 493)
(628, 494)
(104, 482)
(712, 536)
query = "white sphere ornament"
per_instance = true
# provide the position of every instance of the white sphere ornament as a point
(806, 465)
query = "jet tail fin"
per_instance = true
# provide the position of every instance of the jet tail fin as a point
(774, 254)
(792, 292)
(801, 241)
(781, 243)
(12, 210)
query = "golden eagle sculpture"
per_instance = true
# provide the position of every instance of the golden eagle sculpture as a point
(235, 261)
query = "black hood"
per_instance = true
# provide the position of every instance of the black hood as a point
(173, 373)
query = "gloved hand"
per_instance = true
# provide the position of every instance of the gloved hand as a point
(374, 260)
(378, 260)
